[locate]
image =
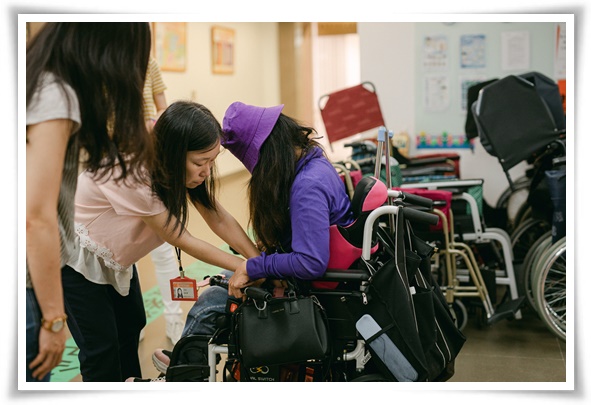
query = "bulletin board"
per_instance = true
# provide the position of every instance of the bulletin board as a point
(451, 57)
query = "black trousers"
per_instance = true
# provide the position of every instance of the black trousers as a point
(105, 325)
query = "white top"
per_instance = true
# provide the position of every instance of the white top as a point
(52, 101)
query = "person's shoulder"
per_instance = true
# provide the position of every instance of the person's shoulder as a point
(48, 82)
(317, 174)
(318, 165)
(153, 65)
(53, 99)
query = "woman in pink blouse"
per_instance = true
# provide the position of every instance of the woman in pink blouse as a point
(118, 223)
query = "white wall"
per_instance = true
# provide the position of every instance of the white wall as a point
(336, 67)
(387, 60)
(255, 79)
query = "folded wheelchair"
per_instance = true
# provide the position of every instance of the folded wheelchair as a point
(379, 270)
(521, 118)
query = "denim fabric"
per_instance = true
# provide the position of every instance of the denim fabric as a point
(33, 328)
(202, 316)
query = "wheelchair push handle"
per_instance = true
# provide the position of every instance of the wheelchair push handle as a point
(219, 281)
(257, 293)
(419, 216)
(412, 198)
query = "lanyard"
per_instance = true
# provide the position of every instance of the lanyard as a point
(182, 288)
(178, 258)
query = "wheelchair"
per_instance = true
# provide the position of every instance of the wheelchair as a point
(369, 264)
(473, 259)
(521, 118)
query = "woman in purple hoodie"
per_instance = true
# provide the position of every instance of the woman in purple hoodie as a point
(295, 194)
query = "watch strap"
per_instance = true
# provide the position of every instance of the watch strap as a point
(49, 324)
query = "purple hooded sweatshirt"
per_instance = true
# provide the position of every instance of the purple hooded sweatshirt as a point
(317, 200)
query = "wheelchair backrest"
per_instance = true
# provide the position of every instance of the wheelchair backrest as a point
(346, 241)
(513, 120)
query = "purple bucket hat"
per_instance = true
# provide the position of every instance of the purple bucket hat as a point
(246, 127)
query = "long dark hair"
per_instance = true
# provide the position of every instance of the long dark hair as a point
(184, 126)
(105, 64)
(272, 178)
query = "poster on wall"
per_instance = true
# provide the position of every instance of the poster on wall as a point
(515, 50)
(222, 50)
(465, 83)
(435, 53)
(472, 51)
(170, 45)
(436, 92)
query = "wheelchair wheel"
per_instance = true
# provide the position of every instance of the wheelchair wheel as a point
(459, 313)
(516, 204)
(525, 235)
(537, 261)
(549, 288)
(519, 184)
(523, 214)
(523, 273)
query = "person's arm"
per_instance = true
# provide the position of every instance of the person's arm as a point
(224, 225)
(310, 223)
(197, 248)
(158, 88)
(46, 148)
(160, 103)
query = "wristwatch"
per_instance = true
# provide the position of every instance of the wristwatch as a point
(54, 325)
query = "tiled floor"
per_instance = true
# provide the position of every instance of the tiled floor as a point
(521, 350)
(511, 350)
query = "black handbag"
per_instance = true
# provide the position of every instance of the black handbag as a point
(280, 330)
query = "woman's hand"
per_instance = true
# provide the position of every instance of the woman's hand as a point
(51, 348)
(240, 280)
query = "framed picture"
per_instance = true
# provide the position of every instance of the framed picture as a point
(170, 45)
(222, 50)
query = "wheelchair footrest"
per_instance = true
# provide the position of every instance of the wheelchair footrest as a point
(506, 310)
(187, 373)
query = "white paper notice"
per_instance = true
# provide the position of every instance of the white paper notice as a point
(436, 93)
(435, 51)
(515, 50)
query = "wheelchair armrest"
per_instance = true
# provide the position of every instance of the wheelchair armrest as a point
(344, 275)
(455, 185)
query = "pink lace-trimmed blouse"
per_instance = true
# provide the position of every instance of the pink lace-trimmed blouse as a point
(110, 233)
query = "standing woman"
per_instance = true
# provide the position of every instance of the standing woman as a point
(118, 223)
(84, 91)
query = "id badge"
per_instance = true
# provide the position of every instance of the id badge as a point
(183, 289)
